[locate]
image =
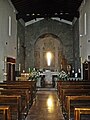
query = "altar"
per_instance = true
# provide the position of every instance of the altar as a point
(48, 78)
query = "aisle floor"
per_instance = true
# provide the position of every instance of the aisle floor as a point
(45, 107)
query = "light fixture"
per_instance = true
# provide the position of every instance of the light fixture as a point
(33, 14)
(27, 14)
(61, 13)
(38, 14)
(66, 13)
(56, 13)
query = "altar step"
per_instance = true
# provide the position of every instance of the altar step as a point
(46, 89)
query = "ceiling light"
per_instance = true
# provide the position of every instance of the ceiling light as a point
(33, 14)
(66, 13)
(27, 14)
(61, 13)
(56, 14)
(38, 14)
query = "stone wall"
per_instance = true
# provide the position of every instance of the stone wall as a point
(61, 30)
(76, 53)
(20, 66)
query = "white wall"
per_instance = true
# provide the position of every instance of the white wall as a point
(84, 44)
(8, 44)
(84, 36)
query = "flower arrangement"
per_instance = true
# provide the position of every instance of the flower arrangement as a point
(33, 74)
(62, 75)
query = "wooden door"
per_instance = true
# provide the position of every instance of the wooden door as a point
(10, 69)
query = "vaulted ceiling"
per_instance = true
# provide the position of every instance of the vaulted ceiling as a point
(32, 9)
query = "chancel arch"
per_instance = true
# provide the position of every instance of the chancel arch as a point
(49, 43)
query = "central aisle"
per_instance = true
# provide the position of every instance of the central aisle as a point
(46, 106)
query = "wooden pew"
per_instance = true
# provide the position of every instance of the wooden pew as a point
(31, 84)
(5, 113)
(80, 110)
(75, 99)
(25, 98)
(27, 90)
(14, 102)
(72, 84)
(73, 92)
(62, 82)
(71, 88)
(20, 87)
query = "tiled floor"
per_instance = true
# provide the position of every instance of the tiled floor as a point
(46, 107)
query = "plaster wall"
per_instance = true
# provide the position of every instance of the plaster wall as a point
(84, 30)
(8, 44)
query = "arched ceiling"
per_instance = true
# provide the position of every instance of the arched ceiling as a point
(32, 9)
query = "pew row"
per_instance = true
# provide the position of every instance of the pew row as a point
(26, 89)
(14, 102)
(72, 88)
(25, 98)
(72, 85)
(81, 111)
(31, 85)
(5, 113)
(73, 92)
(78, 101)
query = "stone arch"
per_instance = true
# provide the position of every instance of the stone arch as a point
(49, 42)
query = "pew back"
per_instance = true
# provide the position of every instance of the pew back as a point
(5, 113)
(75, 99)
(15, 105)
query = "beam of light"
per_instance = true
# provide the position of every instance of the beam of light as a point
(50, 104)
(49, 57)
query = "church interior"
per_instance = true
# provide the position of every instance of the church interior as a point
(44, 60)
